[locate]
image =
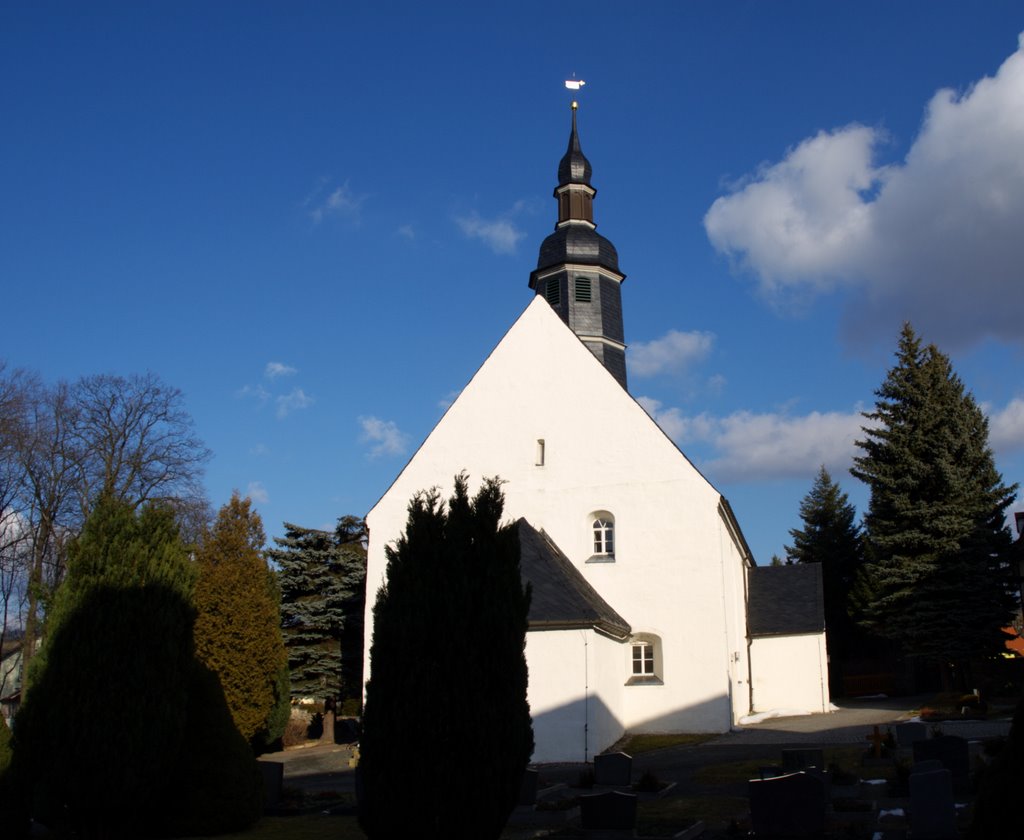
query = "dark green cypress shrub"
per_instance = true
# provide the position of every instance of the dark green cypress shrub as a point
(215, 786)
(114, 696)
(446, 720)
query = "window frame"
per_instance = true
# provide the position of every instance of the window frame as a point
(601, 536)
(648, 667)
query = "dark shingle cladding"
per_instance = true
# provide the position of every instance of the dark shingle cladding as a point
(562, 598)
(577, 244)
(785, 600)
(574, 168)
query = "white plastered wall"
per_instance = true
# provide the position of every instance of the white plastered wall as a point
(575, 693)
(790, 672)
(678, 568)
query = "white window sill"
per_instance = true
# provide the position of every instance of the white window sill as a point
(648, 679)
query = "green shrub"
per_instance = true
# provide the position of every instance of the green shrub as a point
(119, 712)
(217, 785)
(5, 747)
(237, 629)
(449, 625)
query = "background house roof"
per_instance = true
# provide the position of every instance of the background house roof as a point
(785, 600)
(562, 598)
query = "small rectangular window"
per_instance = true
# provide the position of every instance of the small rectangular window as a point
(583, 294)
(540, 452)
(643, 659)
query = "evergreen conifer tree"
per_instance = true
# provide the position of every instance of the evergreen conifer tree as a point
(936, 538)
(238, 621)
(830, 536)
(322, 579)
(446, 701)
(98, 740)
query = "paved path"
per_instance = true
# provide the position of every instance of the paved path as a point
(325, 766)
(849, 724)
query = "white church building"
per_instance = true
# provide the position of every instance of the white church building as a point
(648, 612)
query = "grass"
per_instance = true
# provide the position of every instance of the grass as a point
(740, 771)
(664, 816)
(730, 772)
(641, 743)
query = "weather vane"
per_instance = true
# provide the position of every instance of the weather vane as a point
(574, 84)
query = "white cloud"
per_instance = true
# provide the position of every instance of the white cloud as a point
(339, 201)
(294, 401)
(749, 446)
(673, 352)
(257, 492)
(801, 221)
(384, 435)
(406, 232)
(500, 235)
(446, 403)
(1006, 427)
(259, 449)
(934, 239)
(256, 392)
(276, 369)
(746, 446)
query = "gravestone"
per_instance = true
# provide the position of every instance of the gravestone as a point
(273, 781)
(793, 761)
(952, 751)
(790, 806)
(528, 787)
(908, 734)
(614, 769)
(932, 810)
(612, 810)
(926, 766)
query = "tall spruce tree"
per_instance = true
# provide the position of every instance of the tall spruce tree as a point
(238, 621)
(831, 536)
(322, 578)
(937, 544)
(448, 637)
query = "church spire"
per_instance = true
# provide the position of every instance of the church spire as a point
(574, 166)
(578, 269)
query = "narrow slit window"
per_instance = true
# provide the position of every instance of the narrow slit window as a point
(540, 452)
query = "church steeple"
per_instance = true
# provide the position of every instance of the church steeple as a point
(578, 269)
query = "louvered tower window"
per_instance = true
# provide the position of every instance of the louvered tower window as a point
(582, 287)
(553, 291)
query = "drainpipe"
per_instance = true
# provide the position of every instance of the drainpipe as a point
(586, 698)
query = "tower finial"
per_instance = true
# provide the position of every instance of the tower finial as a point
(575, 104)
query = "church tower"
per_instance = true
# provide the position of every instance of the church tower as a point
(578, 269)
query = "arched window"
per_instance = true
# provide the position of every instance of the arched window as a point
(645, 661)
(604, 536)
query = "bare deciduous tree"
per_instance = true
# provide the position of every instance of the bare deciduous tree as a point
(137, 440)
(65, 446)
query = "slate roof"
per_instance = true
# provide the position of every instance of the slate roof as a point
(785, 600)
(577, 243)
(574, 168)
(562, 598)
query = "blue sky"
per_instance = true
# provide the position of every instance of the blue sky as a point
(316, 219)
